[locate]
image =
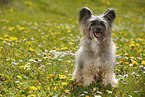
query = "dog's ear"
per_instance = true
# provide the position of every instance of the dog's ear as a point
(84, 14)
(110, 15)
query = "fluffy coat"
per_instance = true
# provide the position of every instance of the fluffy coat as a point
(95, 59)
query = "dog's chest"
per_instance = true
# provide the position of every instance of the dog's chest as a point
(101, 59)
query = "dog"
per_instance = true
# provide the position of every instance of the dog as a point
(95, 59)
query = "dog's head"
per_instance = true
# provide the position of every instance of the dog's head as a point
(94, 26)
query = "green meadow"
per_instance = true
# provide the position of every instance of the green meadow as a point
(39, 38)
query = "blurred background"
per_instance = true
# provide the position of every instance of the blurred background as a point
(68, 9)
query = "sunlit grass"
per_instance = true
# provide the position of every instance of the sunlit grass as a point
(39, 39)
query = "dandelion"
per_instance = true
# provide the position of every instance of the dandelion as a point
(117, 69)
(62, 77)
(108, 3)
(33, 88)
(94, 89)
(6, 36)
(132, 45)
(11, 10)
(137, 44)
(6, 39)
(135, 67)
(1, 75)
(121, 78)
(32, 95)
(22, 67)
(72, 79)
(68, 30)
(134, 62)
(64, 83)
(51, 75)
(21, 28)
(13, 38)
(143, 62)
(79, 84)
(18, 76)
(126, 62)
(32, 50)
(1, 38)
(132, 42)
(57, 27)
(66, 90)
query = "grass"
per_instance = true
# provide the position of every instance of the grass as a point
(39, 39)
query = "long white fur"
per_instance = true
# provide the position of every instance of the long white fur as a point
(98, 60)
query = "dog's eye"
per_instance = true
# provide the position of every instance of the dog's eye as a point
(94, 24)
(102, 24)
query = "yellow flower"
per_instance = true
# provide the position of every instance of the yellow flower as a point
(1, 75)
(94, 89)
(121, 78)
(55, 84)
(6, 36)
(13, 38)
(79, 84)
(135, 67)
(31, 49)
(126, 62)
(57, 49)
(117, 69)
(134, 62)
(21, 28)
(143, 62)
(132, 45)
(22, 67)
(11, 28)
(86, 96)
(11, 10)
(52, 33)
(33, 88)
(137, 44)
(18, 76)
(132, 42)
(32, 95)
(58, 27)
(72, 79)
(68, 30)
(66, 90)
(7, 39)
(50, 75)
(64, 83)
(52, 50)
(62, 76)
(1, 38)
(108, 3)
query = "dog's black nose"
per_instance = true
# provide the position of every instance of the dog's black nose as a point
(98, 28)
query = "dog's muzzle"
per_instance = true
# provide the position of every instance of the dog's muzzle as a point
(97, 34)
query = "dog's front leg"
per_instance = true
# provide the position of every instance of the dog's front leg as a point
(110, 78)
(77, 75)
(87, 79)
